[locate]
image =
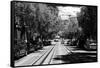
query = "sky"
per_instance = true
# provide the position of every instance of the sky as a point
(64, 12)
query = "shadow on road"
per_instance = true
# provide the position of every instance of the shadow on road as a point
(77, 57)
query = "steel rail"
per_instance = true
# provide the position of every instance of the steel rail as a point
(43, 57)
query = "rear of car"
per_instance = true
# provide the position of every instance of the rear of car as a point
(91, 45)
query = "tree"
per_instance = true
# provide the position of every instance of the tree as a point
(88, 22)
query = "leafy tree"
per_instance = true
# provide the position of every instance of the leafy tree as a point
(88, 22)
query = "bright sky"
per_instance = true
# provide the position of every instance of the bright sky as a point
(64, 12)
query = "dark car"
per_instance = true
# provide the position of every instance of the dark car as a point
(30, 48)
(56, 40)
(46, 42)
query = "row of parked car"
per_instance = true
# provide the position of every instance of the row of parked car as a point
(21, 48)
(90, 44)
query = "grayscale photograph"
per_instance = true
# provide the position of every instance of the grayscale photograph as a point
(52, 33)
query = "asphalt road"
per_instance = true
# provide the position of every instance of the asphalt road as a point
(57, 54)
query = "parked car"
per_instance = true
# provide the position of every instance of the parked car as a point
(69, 42)
(74, 42)
(91, 44)
(46, 42)
(56, 40)
(39, 45)
(31, 48)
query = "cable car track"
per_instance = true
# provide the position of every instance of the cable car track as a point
(49, 57)
(41, 59)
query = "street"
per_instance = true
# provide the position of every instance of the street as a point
(57, 54)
